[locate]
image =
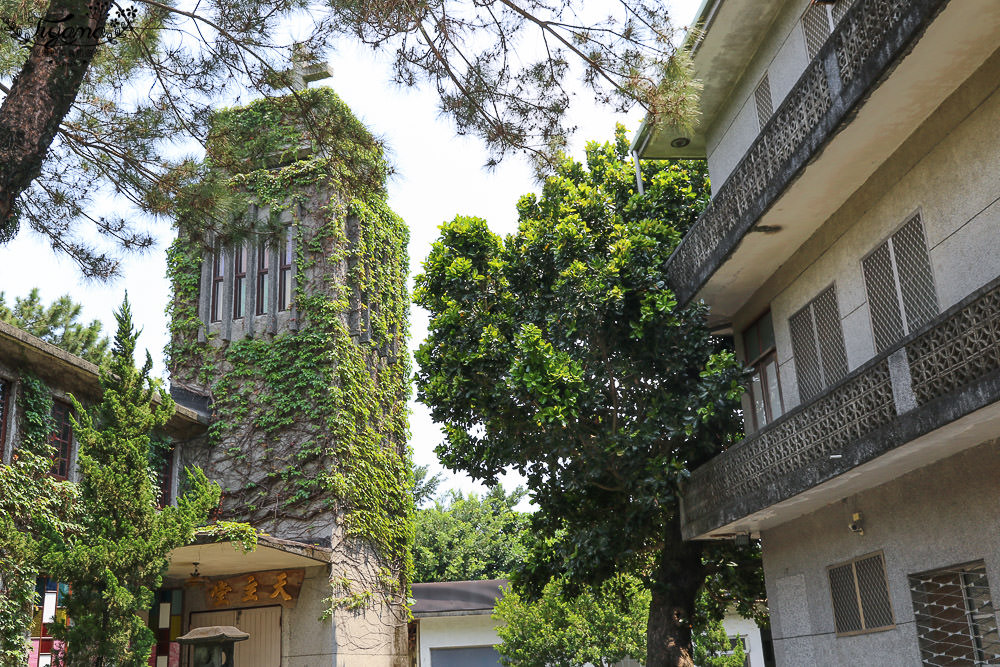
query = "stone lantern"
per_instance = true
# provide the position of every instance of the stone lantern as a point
(213, 645)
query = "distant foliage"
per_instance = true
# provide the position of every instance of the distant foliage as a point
(425, 485)
(470, 537)
(597, 626)
(58, 324)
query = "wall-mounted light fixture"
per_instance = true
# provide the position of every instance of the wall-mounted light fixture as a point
(855, 525)
(680, 142)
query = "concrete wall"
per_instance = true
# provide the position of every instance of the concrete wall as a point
(931, 518)
(946, 172)
(480, 630)
(782, 54)
(454, 632)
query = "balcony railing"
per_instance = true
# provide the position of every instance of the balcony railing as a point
(871, 37)
(944, 371)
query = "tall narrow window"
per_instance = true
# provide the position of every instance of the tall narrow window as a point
(818, 344)
(218, 278)
(900, 287)
(955, 617)
(61, 439)
(165, 476)
(764, 390)
(4, 400)
(263, 278)
(49, 608)
(816, 27)
(239, 281)
(285, 271)
(762, 100)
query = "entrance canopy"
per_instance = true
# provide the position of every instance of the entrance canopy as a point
(217, 558)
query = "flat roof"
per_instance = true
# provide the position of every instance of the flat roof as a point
(68, 372)
(456, 598)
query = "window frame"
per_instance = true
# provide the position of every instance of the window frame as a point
(263, 282)
(218, 282)
(6, 387)
(239, 280)
(58, 442)
(962, 570)
(286, 261)
(757, 366)
(824, 370)
(857, 592)
(165, 479)
(831, 25)
(889, 243)
(762, 93)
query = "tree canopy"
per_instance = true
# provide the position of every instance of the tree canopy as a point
(113, 103)
(58, 324)
(560, 352)
(463, 538)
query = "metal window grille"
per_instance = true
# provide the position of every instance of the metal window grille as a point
(955, 618)
(860, 595)
(830, 337)
(900, 286)
(818, 344)
(883, 303)
(913, 266)
(762, 98)
(840, 10)
(816, 28)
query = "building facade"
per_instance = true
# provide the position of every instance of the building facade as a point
(852, 251)
(36, 375)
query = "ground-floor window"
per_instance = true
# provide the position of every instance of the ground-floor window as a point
(860, 595)
(955, 618)
(467, 656)
(50, 607)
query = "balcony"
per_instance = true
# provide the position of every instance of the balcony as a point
(926, 398)
(886, 68)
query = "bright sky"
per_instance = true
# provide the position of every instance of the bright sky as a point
(439, 175)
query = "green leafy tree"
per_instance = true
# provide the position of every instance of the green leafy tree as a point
(712, 648)
(58, 324)
(599, 627)
(464, 538)
(559, 351)
(98, 102)
(118, 556)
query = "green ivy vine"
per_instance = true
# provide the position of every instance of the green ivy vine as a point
(32, 505)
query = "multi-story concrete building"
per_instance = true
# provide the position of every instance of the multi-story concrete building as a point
(852, 251)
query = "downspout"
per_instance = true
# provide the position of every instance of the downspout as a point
(638, 172)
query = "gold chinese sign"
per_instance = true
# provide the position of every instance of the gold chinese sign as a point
(255, 589)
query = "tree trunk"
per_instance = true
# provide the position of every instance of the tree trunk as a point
(64, 45)
(679, 575)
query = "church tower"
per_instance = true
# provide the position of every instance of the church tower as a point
(288, 332)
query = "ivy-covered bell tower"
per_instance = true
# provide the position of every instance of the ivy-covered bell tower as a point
(288, 330)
